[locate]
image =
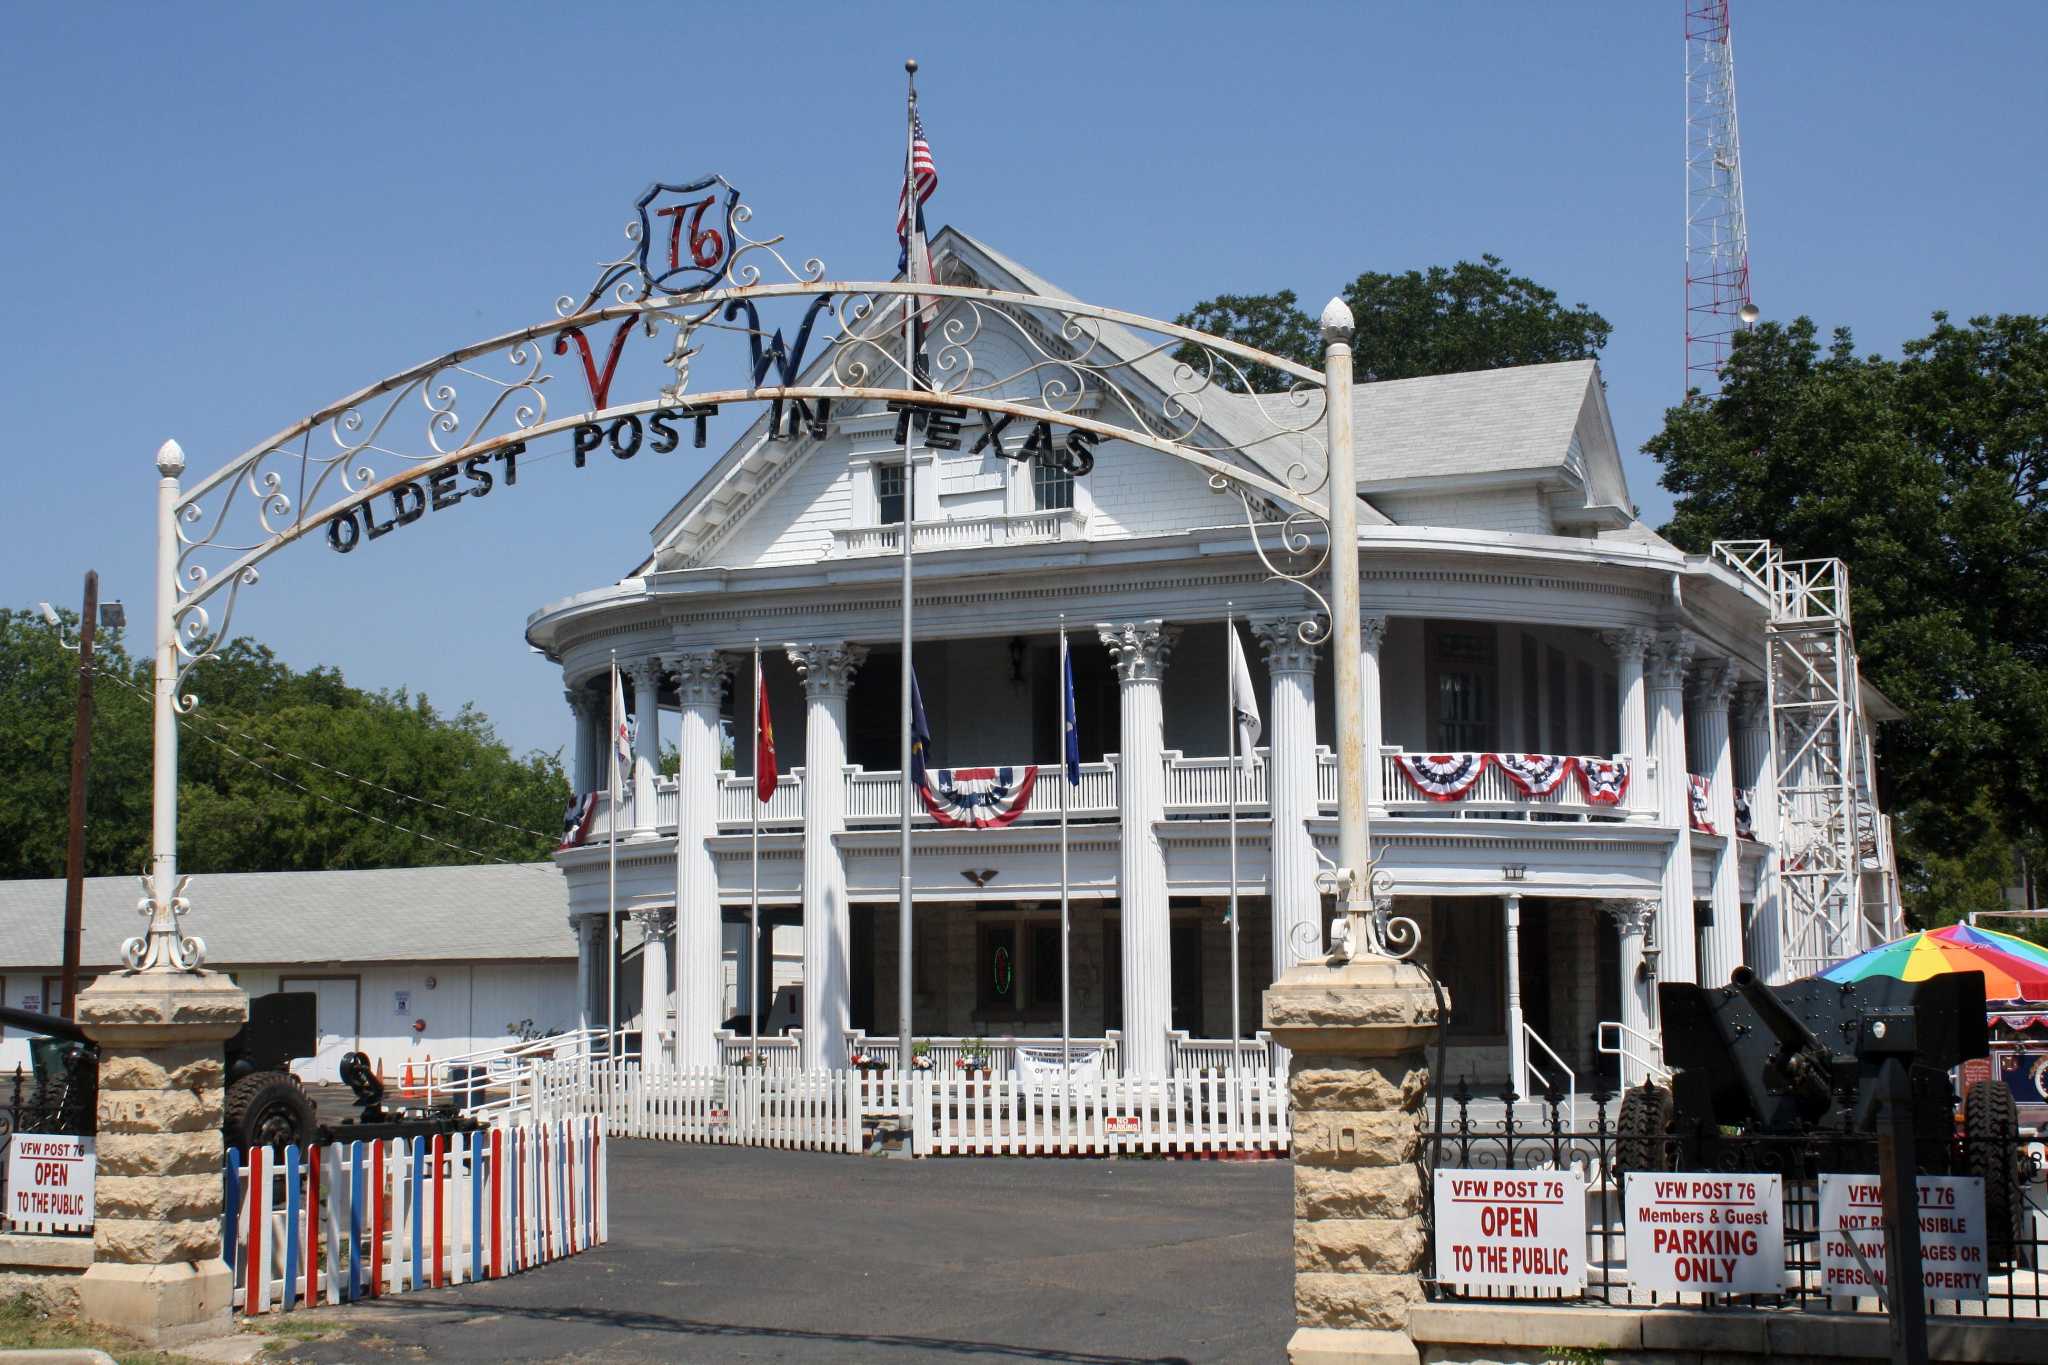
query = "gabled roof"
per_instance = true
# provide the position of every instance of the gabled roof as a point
(416, 914)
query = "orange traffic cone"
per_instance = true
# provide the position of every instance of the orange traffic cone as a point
(406, 1086)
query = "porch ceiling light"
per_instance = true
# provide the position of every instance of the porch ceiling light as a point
(1514, 872)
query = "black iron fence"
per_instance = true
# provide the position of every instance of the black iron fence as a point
(1467, 1130)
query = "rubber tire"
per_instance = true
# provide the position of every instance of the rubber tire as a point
(1641, 1128)
(1991, 1151)
(267, 1108)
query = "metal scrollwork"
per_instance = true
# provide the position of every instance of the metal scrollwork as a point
(164, 946)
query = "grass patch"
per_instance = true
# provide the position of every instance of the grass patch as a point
(24, 1323)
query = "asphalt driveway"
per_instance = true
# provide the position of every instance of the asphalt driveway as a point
(740, 1254)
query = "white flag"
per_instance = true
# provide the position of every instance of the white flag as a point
(1244, 703)
(622, 739)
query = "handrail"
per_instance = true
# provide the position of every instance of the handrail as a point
(1571, 1078)
(1651, 1059)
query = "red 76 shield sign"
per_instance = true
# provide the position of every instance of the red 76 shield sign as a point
(686, 234)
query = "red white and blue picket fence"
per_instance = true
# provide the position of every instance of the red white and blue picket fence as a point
(337, 1222)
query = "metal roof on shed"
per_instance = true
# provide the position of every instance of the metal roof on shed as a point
(494, 911)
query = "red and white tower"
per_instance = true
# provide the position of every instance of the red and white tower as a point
(1717, 301)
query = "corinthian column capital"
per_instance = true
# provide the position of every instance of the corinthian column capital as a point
(1632, 917)
(1139, 649)
(1372, 632)
(1749, 706)
(1713, 683)
(827, 667)
(1281, 638)
(1670, 655)
(700, 676)
(1629, 644)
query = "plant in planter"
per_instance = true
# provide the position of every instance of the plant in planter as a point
(920, 1055)
(868, 1063)
(974, 1058)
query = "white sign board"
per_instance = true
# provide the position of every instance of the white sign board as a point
(1706, 1234)
(1516, 1230)
(49, 1182)
(1952, 1253)
(403, 999)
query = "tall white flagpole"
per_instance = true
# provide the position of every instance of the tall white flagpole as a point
(754, 901)
(904, 938)
(1230, 707)
(611, 917)
(1066, 923)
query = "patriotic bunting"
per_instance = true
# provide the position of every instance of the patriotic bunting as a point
(1697, 787)
(576, 820)
(976, 798)
(1441, 777)
(1745, 819)
(1536, 774)
(1603, 780)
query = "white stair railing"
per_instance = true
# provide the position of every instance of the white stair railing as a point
(1634, 1046)
(1536, 1073)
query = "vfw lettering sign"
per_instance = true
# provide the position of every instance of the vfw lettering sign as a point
(1521, 1231)
(1952, 1254)
(1706, 1234)
(50, 1181)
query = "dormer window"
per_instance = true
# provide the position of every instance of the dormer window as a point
(888, 495)
(1052, 488)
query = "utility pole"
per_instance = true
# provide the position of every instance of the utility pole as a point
(81, 757)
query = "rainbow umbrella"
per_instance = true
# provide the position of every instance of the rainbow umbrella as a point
(2014, 969)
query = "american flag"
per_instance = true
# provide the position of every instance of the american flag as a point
(926, 173)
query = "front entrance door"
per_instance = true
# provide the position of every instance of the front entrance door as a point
(1187, 977)
(339, 1023)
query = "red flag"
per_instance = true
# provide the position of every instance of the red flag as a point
(764, 741)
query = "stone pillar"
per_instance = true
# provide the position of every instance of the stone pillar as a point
(1140, 650)
(1633, 730)
(1756, 771)
(1518, 1046)
(1632, 920)
(1669, 657)
(646, 741)
(700, 928)
(827, 671)
(583, 765)
(157, 1270)
(1357, 1085)
(1372, 632)
(1291, 789)
(654, 1026)
(1714, 684)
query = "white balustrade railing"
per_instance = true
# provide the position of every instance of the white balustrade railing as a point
(1202, 785)
(781, 1055)
(998, 1056)
(1211, 1056)
(1494, 793)
(785, 809)
(962, 533)
(873, 798)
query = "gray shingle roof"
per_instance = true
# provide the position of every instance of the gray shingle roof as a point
(500, 910)
(1480, 422)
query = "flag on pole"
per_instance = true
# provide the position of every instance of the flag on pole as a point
(914, 255)
(765, 776)
(1070, 737)
(920, 734)
(622, 736)
(1244, 704)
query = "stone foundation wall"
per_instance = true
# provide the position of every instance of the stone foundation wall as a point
(43, 1269)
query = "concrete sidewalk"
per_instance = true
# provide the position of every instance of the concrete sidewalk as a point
(731, 1254)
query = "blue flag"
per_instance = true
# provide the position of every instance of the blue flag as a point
(920, 733)
(1070, 742)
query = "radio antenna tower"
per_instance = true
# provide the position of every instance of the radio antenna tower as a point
(1716, 235)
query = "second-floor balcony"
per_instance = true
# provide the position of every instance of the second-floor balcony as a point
(1196, 787)
(963, 533)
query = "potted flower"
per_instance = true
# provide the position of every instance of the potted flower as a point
(974, 1058)
(868, 1063)
(920, 1055)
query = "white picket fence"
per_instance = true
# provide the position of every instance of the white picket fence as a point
(338, 1222)
(947, 1115)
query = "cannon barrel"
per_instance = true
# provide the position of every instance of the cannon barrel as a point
(51, 1025)
(1784, 1025)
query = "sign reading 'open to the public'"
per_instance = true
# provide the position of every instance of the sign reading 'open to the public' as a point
(1706, 1234)
(1521, 1231)
(1952, 1252)
(49, 1182)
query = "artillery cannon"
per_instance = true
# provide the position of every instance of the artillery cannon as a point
(265, 1104)
(1786, 1079)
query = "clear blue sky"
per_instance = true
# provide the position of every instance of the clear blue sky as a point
(219, 218)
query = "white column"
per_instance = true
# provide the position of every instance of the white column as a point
(583, 753)
(1291, 789)
(1757, 770)
(1669, 657)
(654, 1026)
(585, 928)
(1714, 684)
(646, 741)
(1140, 650)
(827, 671)
(1632, 919)
(1633, 731)
(1372, 632)
(700, 934)
(1518, 1046)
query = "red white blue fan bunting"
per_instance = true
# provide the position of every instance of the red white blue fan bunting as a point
(1441, 777)
(1536, 774)
(576, 819)
(1697, 786)
(1603, 780)
(977, 798)
(1745, 819)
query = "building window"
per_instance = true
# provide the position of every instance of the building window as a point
(1052, 488)
(1461, 687)
(888, 494)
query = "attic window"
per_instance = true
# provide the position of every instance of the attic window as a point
(888, 494)
(1052, 488)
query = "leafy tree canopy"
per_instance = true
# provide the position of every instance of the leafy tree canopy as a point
(261, 769)
(1924, 474)
(1470, 316)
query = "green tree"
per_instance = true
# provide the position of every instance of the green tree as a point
(1924, 475)
(279, 770)
(1469, 316)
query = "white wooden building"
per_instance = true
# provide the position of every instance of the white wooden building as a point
(408, 963)
(1513, 604)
